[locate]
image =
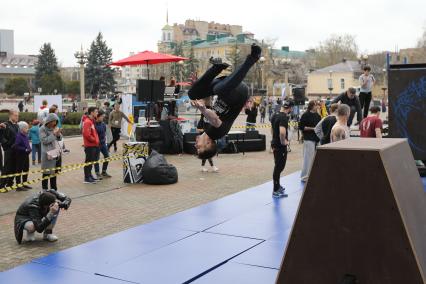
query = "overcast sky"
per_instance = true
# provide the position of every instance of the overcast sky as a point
(130, 25)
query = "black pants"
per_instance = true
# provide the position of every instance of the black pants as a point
(1, 160)
(22, 166)
(9, 167)
(104, 150)
(365, 100)
(280, 158)
(45, 182)
(203, 162)
(115, 137)
(229, 88)
(91, 153)
(351, 115)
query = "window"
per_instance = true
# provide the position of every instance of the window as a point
(168, 36)
(342, 84)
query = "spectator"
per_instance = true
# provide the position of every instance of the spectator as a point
(35, 141)
(349, 98)
(43, 112)
(307, 124)
(54, 109)
(101, 130)
(322, 110)
(91, 143)
(366, 81)
(114, 122)
(74, 106)
(323, 128)
(2, 127)
(340, 129)
(270, 110)
(8, 139)
(21, 151)
(262, 111)
(251, 111)
(372, 125)
(279, 144)
(21, 106)
(203, 123)
(39, 213)
(50, 151)
(83, 117)
(107, 111)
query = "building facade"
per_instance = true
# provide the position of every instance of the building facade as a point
(127, 76)
(333, 80)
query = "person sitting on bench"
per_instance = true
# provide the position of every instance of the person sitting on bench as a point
(232, 95)
(39, 213)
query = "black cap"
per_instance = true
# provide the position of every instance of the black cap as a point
(288, 104)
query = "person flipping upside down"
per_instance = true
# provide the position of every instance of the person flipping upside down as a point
(232, 95)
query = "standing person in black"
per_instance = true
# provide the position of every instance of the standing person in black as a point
(2, 127)
(349, 98)
(323, 128)
(251, 112)
(279, 123)
(310, 118)
(232, 95)
(8, 139)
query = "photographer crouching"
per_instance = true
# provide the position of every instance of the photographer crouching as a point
(39, 213)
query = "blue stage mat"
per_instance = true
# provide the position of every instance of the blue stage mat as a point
(181, 261)
(114, 249)
(234, 273)
(213, 213)
(263, 222)
(424, 182)
(33, 273)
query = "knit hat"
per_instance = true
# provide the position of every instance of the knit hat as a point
(51, 117)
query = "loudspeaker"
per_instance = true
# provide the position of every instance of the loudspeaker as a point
(407, 106)
(150, 90)
(361, 218)
(299, 96)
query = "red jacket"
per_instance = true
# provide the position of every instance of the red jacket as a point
(90, 136)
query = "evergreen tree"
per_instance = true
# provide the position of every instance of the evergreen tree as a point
(99, 76)
(46, 63)
(175, 67)
(191, 65)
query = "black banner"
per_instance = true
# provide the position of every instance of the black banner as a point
(407, 106)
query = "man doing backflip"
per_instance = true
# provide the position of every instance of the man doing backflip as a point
(232, 95)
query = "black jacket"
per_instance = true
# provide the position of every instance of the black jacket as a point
(251, 114)
(30, 210)
(9, 135)
(352, 103)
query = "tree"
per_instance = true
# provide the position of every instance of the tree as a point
(191, 65)
(334, 49)
(176, 68)
(46, 63)
(99, 76)
(234, 55)
(421, 42)
(72, 87)
(51, 82)
(17, 86)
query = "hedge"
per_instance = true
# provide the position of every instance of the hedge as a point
(72, 118)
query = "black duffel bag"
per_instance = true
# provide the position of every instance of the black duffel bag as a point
(156, 170)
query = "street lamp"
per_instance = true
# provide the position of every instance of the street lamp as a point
(261, 62)
(330, 82)
(81, 57)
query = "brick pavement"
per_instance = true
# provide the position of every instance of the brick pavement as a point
(111, 206)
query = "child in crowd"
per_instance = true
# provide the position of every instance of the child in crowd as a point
(22, 150)
(103, 148)
(35, 141)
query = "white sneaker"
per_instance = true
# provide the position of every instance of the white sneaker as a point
(30, 237)
(50, 238)
(204, 170)
(215, 169)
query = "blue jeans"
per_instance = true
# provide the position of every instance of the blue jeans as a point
(104, 150)
(36, 149)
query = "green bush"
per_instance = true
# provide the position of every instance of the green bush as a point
(73, 118)
(23, 116)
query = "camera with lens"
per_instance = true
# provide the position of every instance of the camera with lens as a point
(64, 204)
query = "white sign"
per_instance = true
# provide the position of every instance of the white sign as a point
(127, 109)
(51, 100)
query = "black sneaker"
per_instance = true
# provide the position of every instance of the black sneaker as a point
(89, 180)
(27, 187)
(277, 194)
(106, 175)
(256, 51)
(219, 63)
(94, 178)
(98, 176)
(282, 190)
(21, 189)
